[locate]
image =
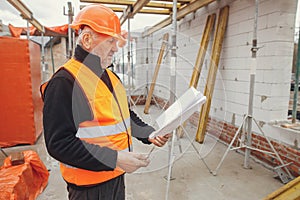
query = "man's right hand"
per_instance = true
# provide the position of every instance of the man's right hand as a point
(130, 162)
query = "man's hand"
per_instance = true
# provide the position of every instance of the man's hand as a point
(130, 162)
(160, 140)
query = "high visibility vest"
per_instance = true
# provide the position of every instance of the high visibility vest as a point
(110, 126)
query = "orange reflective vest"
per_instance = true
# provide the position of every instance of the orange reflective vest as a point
(110, 126)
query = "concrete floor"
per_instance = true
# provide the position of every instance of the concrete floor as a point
(192, 179)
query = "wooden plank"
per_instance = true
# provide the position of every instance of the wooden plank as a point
(27, 14)
(144, 11)
(167, 5)
(210, 21)
(113, 2)
(214, 62)
(182, 11)
(179, 1)
(160, 56)
(290, 191)
(202, 50)
(289, 125)
(132, 10)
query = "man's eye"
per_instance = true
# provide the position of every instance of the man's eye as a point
(112, 40)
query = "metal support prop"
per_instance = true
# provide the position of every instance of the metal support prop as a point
(251, 90)
(43, 53)
(128, 61)
(51, 53)
(131, 65)
(172, 90)
(70, 15)
(123, 65)
(28, 30)
(296, 85)
(147, 65)
(246, 142)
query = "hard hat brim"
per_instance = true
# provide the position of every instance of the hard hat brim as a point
(120, 38)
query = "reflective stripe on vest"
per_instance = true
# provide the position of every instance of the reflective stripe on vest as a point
(110, 126)
(97, 131)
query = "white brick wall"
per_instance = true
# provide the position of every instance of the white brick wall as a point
(274, 59)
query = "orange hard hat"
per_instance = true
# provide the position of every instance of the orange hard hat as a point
(101, 19)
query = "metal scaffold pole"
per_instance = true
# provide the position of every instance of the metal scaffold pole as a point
(245, 141)
(172, 91)
(128, 61)
(251, 91)
(70, 15)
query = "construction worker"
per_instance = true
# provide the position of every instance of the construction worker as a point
(87, 122)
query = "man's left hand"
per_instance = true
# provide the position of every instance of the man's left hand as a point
(160, 140)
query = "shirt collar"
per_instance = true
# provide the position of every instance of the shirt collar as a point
(90, 60)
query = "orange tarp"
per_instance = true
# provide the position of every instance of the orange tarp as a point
(20, 102)
(49, 31)
(25, 181)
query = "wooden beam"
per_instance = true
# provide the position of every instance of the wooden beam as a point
(132, 10)
(182, 11)
(289, 191)
(145, 11)
(202, 50)
(210, 21)
(159, 60)
(131, 3)
(27, 14)
(37, 25)
(22, 8)
(114, 2)
(178, 1)
(212, 73)
(157, 27)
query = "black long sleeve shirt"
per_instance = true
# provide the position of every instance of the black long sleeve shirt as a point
(65, 107)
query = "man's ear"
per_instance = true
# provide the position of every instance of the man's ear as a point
(87, 41)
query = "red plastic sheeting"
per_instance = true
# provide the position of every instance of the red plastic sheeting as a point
(20, 102)
(25, 181)
(49, 31)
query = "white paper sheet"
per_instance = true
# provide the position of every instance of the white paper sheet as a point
(178, 112)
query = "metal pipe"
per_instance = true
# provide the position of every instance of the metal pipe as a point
(28, 30)
(147, 64)
(123, 65)
(173, 54)
(132, 64)
(52, 56)
(43, 53)
(251, 92)
(70, 15)
(172, 91)
(128, 59)
(296, 85)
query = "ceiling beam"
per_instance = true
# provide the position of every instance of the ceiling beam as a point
(37, 25)
(132, 10)
(145, 11)
(113, 2)
(178, 1)
(167, 5)
(182, 11)
(26, 14)
(22, 8)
